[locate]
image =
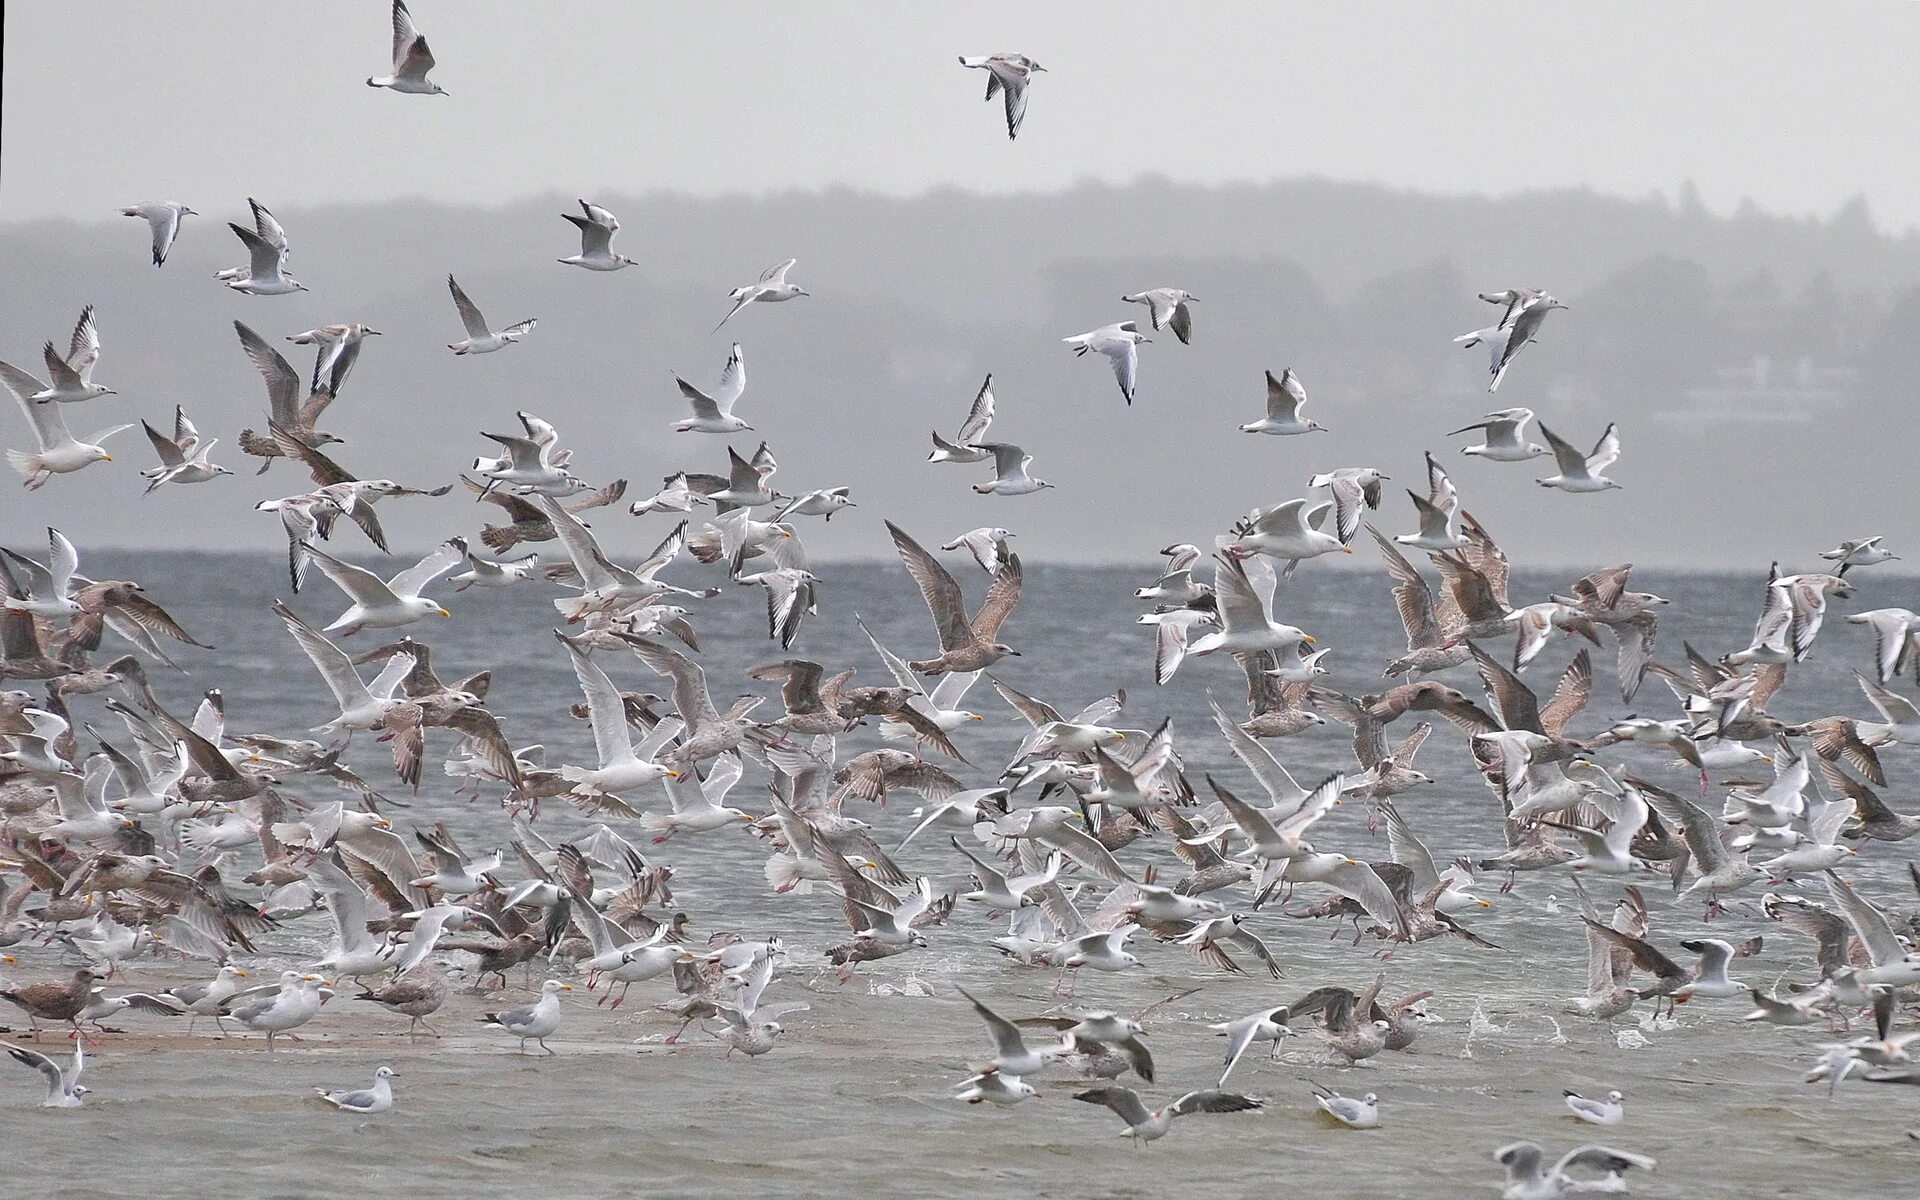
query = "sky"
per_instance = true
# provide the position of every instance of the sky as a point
(1749, 99)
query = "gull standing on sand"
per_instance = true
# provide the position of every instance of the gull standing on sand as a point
(714, 413)
(375, 1099)
(481, 339)
(1120, 342)
(966, 446)
(183, 457)
(1285, 396)
(1501, 440)
(163, 218)
(411, 58)
(1168, 307)
(1009, 73)
(72, 376)
(1010, 465)
(771, 288)
(64, 1089)
(534, 1022)
(56, 451)
(1582, 472)
(596, 240)
(276, 1010)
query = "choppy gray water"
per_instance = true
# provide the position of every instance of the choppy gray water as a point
(856, 1098)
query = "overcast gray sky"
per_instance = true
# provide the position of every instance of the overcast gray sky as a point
(1797, 106)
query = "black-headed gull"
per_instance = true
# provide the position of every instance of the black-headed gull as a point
(163, 217)
(1582, 472)
(72, 376)
(411, 58)
(713, 413)
(596, 240)
(1167, 307)
(183, 457)
(1285, 395)
(481, 339)
(1010, 74)
(1120, 342)
(771, 288)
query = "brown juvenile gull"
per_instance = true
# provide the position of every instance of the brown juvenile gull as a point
(964, 645)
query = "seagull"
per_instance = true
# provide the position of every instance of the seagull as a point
(1524, 313)
(964, 645)
(1010, 464)
(1610, 1111)
(391, 603)
(621, 768)
(1120, 342)
(163, 217)
(1355, 1113)
(966, 447)
(183, 457)
(1896, 639)
(56, 450)
(1290, 530)
(771, 288)
(992, 1087)
(534, 1022)
(1246, 619)
(362, 705)
(1285, 396)
(49, 591)
(411, 58)
(1854, 552)
(1011, 1054)
(987, 544)
(1527, 1181)
(271, 232)
(1008, 73)
(266, 272)
(1502, 440)
(275, 1010)
(487, 573)
(339, 348)
(480, 338)
(1582, 472)
(596, 240)
(714, 413)
(1150, 1126)
(1266, 1025)
(72, 376)
(64, 1089)
(376, 1099)
(1168, 307)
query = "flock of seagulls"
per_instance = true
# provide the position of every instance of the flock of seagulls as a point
(129, 830)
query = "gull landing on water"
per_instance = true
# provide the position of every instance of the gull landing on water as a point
(771, 288)
(163, 218)
(1168, 307)
(1008, 73)
(1285, 396)
(481, 339)
(596, 240)
(411, 58)
(1120, 342)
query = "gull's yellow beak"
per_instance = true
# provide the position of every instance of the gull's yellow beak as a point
(747, 817)
(107, 457)
(443, 612)
(673, 774)
(1486, 904)
(1346, 549)
(382, 823)
(1766, 758)
(975, 717)
(8, 959)
(1310, 640)
(239, 974)
(786, 533)
(1121, 736)
(566, 987)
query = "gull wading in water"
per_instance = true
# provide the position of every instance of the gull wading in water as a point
(375, 1099)
(64, 1089)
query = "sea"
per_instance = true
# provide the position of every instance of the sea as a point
(857, 1097)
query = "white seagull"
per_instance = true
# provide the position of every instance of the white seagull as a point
(1008, 73)
(714, 413)
(266, 271)
(480, 338)
(1285, 395)
(183, 457)
(596, 240)
(1582, 472)
(64, 1089)
(375, 1099)
(72, 376)
(388, 604)
(1168, 307)
(771, 288)
(411, 58)
(966, 446)
(163, 218)
(1120, 342)
(56, 450)
(1010, 465)
(1501, 436)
